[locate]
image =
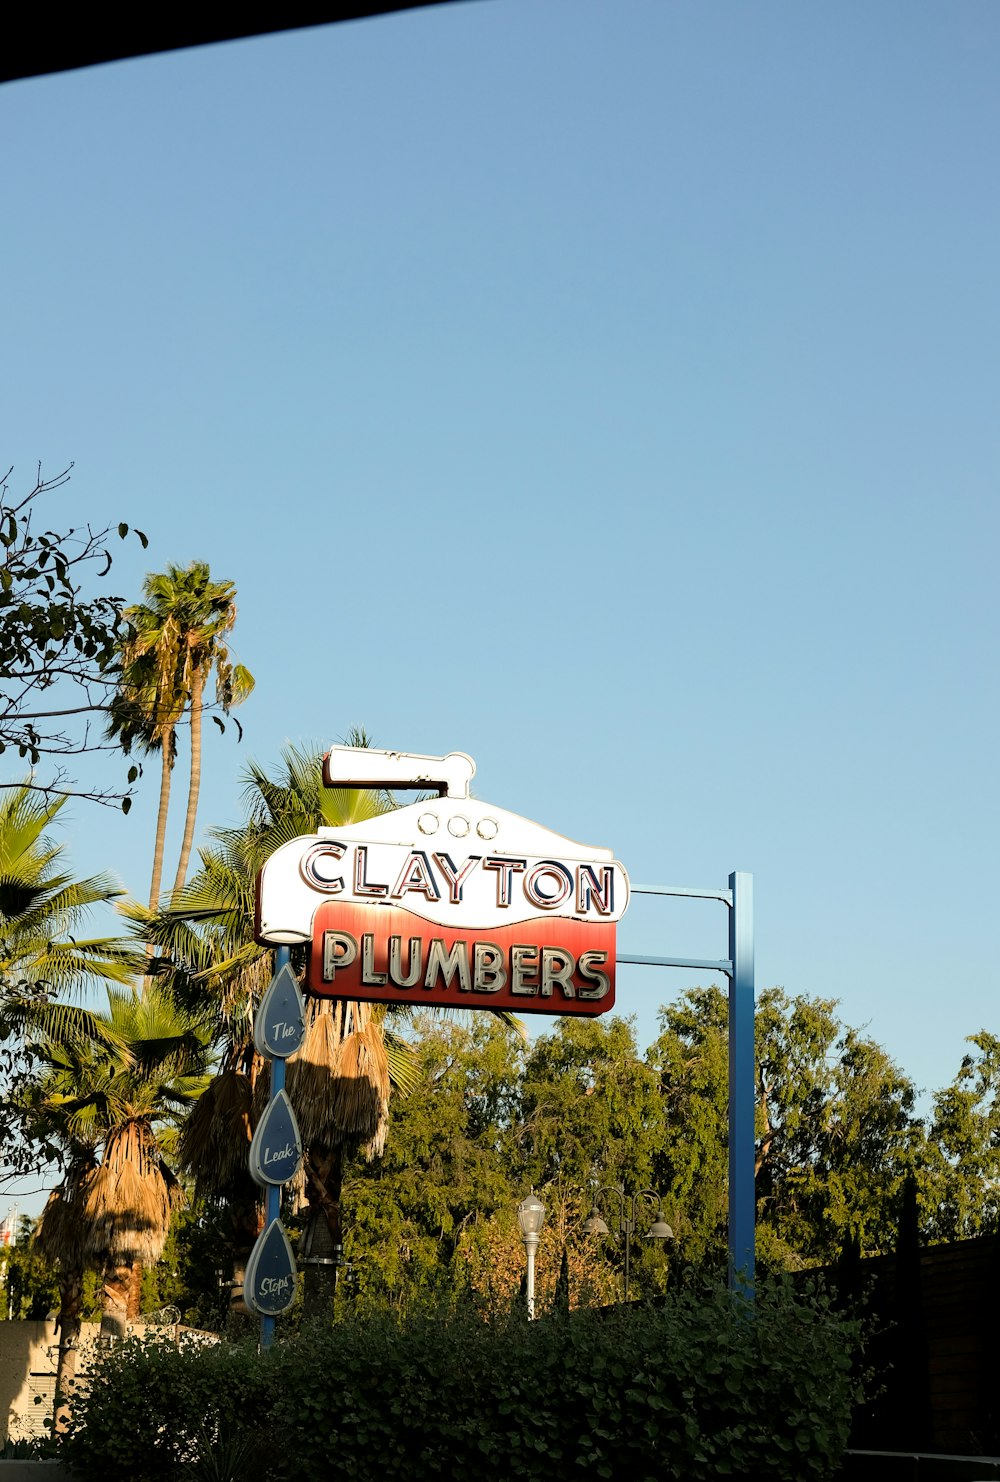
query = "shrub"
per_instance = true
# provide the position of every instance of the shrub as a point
(697, 1387)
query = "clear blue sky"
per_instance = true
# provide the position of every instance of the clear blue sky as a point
(608, 390)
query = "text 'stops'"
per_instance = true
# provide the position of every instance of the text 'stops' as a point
(269, 1282)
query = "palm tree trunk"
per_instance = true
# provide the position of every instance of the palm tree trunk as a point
(134, 1292)
(114, 1320)
(324, 1176)
(161, 820)
(70, 1308)
(194, 786)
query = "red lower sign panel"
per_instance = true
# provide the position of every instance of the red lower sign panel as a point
(549, 965)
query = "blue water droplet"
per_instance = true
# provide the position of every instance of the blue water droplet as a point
(270, 1274)
(280, 1024)
(276, 1150)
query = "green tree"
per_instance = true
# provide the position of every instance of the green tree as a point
(591, 1116)
(836, 1127)
(423, 1217)
(691, 1061)
(29, 1286)
(191, 1275)
(961, 1183)
(59, 646)
(836, 1131)
(590, 1109)
(175, 642)
(433, 1221)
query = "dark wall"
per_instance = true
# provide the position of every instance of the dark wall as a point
(935, 1349)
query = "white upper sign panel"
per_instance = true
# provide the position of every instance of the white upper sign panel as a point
(454, 861)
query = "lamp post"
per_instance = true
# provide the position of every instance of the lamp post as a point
(629, 1206)
(531, 1217)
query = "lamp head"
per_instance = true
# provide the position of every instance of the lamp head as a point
(531, 1215)
(659, 1229)
(594, 1224)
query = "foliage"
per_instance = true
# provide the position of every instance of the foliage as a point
(192, 1273)
(42, 907)
(187, 1276)
(836, 1130)
(431, 1222)
(139, 1061)
(59, 648)
(837, 1136)
(489, 1120)
(962, 1179)
(698, 1387)
(30, 1288)
(42, 954)
(441, 1173)
(206, 937)
(589, 1105)
(690, 1057)
(160, 1401)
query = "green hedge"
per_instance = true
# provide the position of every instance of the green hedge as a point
(699, 1387)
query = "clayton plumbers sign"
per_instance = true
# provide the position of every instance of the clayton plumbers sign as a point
(450, 901)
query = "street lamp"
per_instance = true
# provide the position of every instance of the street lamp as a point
(629, 1206)
(531, 1217)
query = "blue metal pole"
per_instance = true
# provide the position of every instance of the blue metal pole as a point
(742, 1088)
(272, 1207)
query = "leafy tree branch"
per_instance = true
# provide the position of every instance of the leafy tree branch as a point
(59, 646)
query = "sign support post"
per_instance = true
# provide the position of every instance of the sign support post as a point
(275, 1149)
(742, 1099)
(272, 1203)
(739, 969)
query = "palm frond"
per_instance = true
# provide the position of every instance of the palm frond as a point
(127, 1202)
(62, 1024)
(216, 1137)
(59, 1235)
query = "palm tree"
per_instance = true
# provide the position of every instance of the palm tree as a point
(148, 707)
(207, 653)
(43, 953)
(41, 909)
(177, 639)
(60, 1236)
(340, 1080)
(113, 1087)
(106, 1076)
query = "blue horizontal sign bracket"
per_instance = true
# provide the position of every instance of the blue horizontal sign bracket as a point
(723, 965)
(706, 895)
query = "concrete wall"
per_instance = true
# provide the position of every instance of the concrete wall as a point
(28, 1353)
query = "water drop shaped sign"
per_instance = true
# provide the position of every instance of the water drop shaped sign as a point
(276, 1150)
(269, 1284)
(280, 1025)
